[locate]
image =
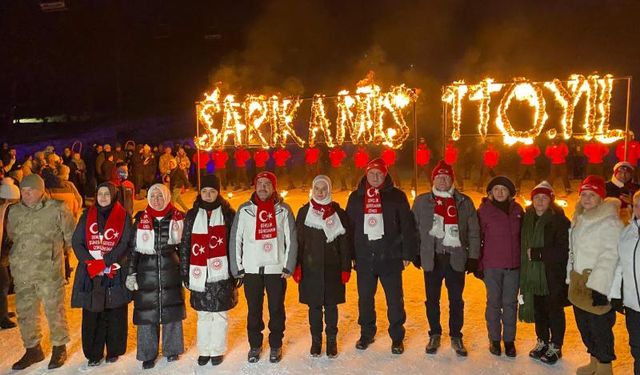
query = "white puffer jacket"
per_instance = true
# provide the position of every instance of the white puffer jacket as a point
(628, 270)
(593, 244)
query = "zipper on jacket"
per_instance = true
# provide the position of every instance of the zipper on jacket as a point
(158, 255)
(635, 276)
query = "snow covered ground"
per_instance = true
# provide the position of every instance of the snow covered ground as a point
(376, 360)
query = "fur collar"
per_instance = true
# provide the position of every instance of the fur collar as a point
(609, 207)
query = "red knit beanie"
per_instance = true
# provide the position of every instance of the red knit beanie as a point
(595, 184)
(378, 164)
(270, 176)
(543, 188)
(442, 168)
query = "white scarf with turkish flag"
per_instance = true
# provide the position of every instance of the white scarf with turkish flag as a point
(373, 220)
(445, 219)
(323, 216)
(208, 260)
(266, 230)
(145, 236)
(98, 243)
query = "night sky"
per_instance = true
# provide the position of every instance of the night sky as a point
(133, 58)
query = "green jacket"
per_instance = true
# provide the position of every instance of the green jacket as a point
(40, 235)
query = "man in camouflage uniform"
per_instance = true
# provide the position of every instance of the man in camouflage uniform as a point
(40, 229)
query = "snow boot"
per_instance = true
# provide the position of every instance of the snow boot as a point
(589, 369)
(332, 347)
(316, 346)
(254, 354)
(276, 355)
(31, 356)
(539, 350)
(433, 345)
(203, 360)
(173, 358)
(147, 365)
(397, 347)
(552, 355)
(58, 357)
(7, 323)
(364, 342)
(510, 349)
(494, 347)
(458, 346)
(216, 360)
(603, 369)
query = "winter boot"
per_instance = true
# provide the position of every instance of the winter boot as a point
(275, 355)
(364, 342)
(458, 346)
(31, 356)
(58, 357)
(433, 345)
(397, 347)
(509, 349)
(7, 323)
(203, 360)
(494, 347)
(147, 365)
(216, 360)
(603, 369)
(539, 350)
(589, 369)
(254, 354)
(316, 346)
(552, 355)
(332, 347)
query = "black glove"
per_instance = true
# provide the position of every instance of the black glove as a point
(472, 265)
(185, 282)
(616, 304)
(599, 299)
(479, 274)
(239, 282)
(417, 262)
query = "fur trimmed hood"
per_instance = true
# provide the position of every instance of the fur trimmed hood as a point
(609, 207)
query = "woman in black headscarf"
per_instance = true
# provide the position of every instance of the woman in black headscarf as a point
(101, 244)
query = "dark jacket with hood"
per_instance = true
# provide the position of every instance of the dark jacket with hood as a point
(399, 243)
(220, 295)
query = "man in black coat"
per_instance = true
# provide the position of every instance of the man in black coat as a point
(384, 238)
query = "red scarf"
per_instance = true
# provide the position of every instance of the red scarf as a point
(373, 219)
(266, 227)
(208, 259)
(326, 209)
(445, 219)
(102, 243)
(145, 236)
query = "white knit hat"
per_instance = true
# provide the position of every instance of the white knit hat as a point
(8, 189)
(543, 188)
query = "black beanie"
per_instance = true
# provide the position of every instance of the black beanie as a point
(210, 181)
(504, 181)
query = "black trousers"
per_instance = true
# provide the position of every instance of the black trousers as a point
(254, 287)
(454, 281)
(559, 171)
(107, 328)
(4, 291)
(367, 287)
(597, 333)
(330, 319)
(550, 321)
(484, 171)
(596, 169)
(633, 327)
(525, 171)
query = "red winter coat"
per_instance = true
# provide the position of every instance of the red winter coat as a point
(220, 159)
(336, 156)
(241, 155)
(361, 158)
(528, 154)
(595, 152)
(423, 155)
(500, 233)
(491, 157)
(557, 153)
(261, 157)
(311, 155)
(281, 156)
(389, 157)
(633, 152)
(203, 156)
(451, 154)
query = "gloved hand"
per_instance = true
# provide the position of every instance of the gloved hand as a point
(472, 265)
(132, 282)
(417, 261)
(616, 304)
(345, 276)
(185, 282)
(239, 282)
(599, 299)
(479, 274)
(95, 267)
(297, 274)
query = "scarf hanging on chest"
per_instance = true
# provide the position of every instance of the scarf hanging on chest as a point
(445, 219)
(266, 235)
(373, 220)
(208, 258)
(323, 216)
(145, 236)
(98, 243)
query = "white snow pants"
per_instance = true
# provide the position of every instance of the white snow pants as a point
(212, 333)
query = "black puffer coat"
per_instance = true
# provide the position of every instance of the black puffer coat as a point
(116, 293)
(217, 296)
(554, 255)
(322, 263)
(399, 242)
(160, 298)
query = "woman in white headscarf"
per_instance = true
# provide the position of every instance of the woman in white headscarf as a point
(324, 263)
(154, 277)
